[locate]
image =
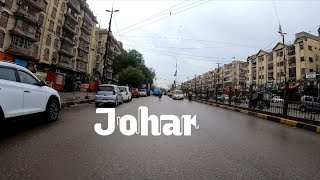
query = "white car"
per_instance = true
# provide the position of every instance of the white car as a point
(126, 94)
(276, 99)
(22, 94)
(143, 92)
(178, 94)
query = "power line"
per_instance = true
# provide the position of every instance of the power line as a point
(165, 17)
(188, 39)
(153, 16)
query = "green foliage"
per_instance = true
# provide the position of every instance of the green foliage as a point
(134, 59)
(131, 76)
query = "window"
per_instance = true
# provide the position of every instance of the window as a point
(56, 43)
(40, 20)
(2, 34)
(262, 76)
(4, 17)
(27, 78)
(63, 7)
(278, 64)
(58, 30)
(35, 50)
(281, 63)
(54, 13)
(51, 26)
(310, 48)
(310, 59)
(48, 42)
(60, 19)
(46, 54)
(301, 46)
(303, 70)
(311, 70)
(262, 67)
(99, 43)
(302, 58)
(259, 77)
(7, 74)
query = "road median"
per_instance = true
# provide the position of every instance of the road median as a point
(282, 120)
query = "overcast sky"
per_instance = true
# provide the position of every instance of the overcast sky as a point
(198, 34)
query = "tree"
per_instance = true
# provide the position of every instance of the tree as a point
(131, 76)
(133, 58)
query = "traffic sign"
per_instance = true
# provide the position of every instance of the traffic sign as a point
(311, 75)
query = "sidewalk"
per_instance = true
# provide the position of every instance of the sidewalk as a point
(70, 98)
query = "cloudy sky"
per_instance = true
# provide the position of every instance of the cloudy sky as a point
(199, 34)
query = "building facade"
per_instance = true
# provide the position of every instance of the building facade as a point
(48, 35)
(289, 61)
(115, 48)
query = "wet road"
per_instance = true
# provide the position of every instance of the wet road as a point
(228, 145)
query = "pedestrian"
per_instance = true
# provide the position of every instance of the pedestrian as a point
(255, 100)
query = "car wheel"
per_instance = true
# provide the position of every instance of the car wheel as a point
(52, 110)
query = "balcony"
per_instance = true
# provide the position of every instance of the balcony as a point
(31, 18)
(75, 4)
(67, 40)
(81, 67)
(87, 18)
(87, 28)
(71, 28)
(24, 33)
(85, 38)
(68, 51)
(20, 51)
(65, 62)
(82, 57)
(71, 17)
(84, 49)
(109, 62)
(109, 69)
(40, 5)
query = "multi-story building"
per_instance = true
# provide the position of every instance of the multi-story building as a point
(20, 31)
(51, 34)
(234, 74)
(115, 48)
(267, 68)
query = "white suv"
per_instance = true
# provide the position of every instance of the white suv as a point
(23, 94)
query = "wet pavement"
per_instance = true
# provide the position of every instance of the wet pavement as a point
(228, 145)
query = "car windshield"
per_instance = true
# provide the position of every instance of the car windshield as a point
(178, 92)
(106, 88)
(123, 89)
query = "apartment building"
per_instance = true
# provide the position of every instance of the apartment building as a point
(290, 60)
(48, 35)
(234, 74)
(115, 49)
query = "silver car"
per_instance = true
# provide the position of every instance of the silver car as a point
(108, 94)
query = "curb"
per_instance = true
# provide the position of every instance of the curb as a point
(68, 104)
(281, 120)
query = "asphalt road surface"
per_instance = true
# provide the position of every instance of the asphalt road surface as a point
(228, 145)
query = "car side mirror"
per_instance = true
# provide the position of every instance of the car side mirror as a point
(42, 83)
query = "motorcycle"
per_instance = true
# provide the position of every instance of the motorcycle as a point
(190, 98)
(160, 96)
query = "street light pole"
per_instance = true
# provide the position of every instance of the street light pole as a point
(107, 47)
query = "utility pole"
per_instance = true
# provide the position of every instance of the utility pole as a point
(286, 87)
(107, 47)
(218, 81)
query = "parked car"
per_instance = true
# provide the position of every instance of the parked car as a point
(108, 94)
(309, 103)
(169, 93)
(276, 99)
(23, 94)
(126, 94)
(178, 94)
(135, 92)
(143, 92)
